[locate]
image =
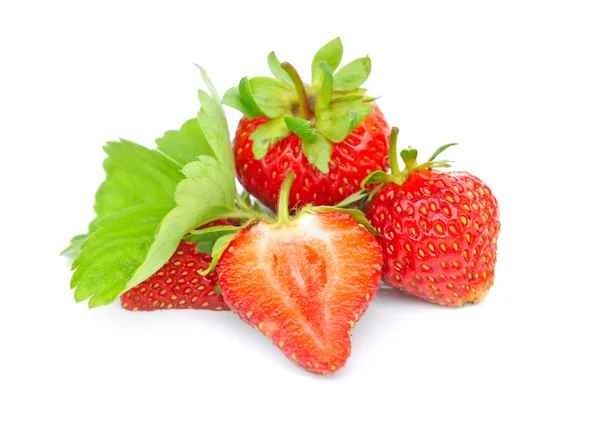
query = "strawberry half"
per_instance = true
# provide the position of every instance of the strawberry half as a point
(304, 283)
(179, 284)
(439, 230)
(329, 132)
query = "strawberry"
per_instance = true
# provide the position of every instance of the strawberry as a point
(304, 283)
(178, 284)
(329, 132)
(438, 230)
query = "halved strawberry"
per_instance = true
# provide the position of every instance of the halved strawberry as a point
(328, 132)
(305, 282)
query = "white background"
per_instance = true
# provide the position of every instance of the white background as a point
(517, 83)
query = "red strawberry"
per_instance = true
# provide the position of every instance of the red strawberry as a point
(178, 285)
(303, 283)
(329, 133)
(438, 230)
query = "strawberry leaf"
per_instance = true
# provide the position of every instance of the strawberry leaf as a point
(352, 75)
(232, 99)
(184, 144)
(352, 199)
(374, 178)
(208, 185)
(112, 253)
(318, 153)
(326, 82)
(338, 128)
(252, 109)
(440, 150)
(268, 134)
(271, 95)
(129, 244)
(331, 53)
(134, 175)
(213, 123)
(75, 246)
(210, 234)
(302, 128)
(277, 70)
(218, 250)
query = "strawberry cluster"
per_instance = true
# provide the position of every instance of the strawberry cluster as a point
(326, 214)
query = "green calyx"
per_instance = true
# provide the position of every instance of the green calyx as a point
(409, 156)
(284, 219)
(320, 113)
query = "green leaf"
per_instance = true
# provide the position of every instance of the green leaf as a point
(268, 134)
(208, 186)
(75, 246)
(213, 123)
(347, 98)
(331, 53)
(352, 75)
(341, 117)
(370, 98)
(217, 289)
(185, 144)
(277, 70)
(409, 156)
(251, 107)
(271, 96)
(353, 198)
(210, 234)
(111, 255)
(218, 250)
(211, 89)
(206, 237)
(326, 84)
(355, 213)
(232, 99)
(318, 153)
(133, 241)
(374, 178)
(337, 128)
(440, 150)
(135, 175)
(302, 128)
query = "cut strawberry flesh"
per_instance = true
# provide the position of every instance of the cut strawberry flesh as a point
(304, 285)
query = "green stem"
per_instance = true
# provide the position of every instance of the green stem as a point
(304, 110)
(393, 151)
(243, 204)
(283, 213)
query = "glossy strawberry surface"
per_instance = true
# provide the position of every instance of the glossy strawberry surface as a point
(305, 285)
(362, 152)
(439, 236)
(177, 285)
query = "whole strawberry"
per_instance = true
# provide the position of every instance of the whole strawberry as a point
(329, 133)
(439, 230)
(303, 282)
(179, 284)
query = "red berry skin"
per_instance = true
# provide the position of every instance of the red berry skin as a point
(364, 151)
(177, 285)
(439, 236)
